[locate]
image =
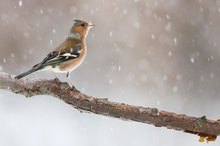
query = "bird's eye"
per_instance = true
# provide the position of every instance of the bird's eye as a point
(82, 24)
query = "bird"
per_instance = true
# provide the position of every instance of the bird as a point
(68, 55)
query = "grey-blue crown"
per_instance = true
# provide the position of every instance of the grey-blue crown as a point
(78, 21)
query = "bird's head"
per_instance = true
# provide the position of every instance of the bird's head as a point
(80, 29)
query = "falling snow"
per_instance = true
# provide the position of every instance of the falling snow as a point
(170, 53)
(41, 12)
(168, 26)
(119, 68)
(20, 3)
(175, 89)
(153, 36)
(165, 78)
(136, 24)
(211, 75)
(158, 102)
(192, 60)
(110, 81)
(125, 11)
(110, 34)
(168, 17)
(175, 41)
(178, 77)
(54, 31)
(30, 51)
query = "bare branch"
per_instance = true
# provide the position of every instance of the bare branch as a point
(82, 102)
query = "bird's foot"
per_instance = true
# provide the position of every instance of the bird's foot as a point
(74, 88)
(56, 79)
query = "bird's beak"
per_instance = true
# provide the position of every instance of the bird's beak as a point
(91, 25)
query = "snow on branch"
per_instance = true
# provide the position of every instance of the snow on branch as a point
(206, 129)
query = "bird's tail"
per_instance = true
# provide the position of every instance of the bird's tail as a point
(27, 72)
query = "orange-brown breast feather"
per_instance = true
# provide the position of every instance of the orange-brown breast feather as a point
(67, 45)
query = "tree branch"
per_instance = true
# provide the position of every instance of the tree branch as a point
(201, 126)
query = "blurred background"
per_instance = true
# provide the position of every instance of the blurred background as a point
(153, 53)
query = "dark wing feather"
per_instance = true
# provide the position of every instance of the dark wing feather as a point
(55, 58)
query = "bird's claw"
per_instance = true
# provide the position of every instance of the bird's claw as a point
(56, 79)
(74, 89)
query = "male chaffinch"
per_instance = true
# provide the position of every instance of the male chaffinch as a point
(68, 55)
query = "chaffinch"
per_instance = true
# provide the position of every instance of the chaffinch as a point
(68, 55)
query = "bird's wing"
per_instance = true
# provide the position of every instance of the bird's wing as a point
(55, 58)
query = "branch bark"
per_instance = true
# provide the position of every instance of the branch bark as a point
(196, 125)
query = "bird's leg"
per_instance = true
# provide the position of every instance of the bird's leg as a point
(56, 78)
(70, 82)
(68, 75)
(73, 87)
